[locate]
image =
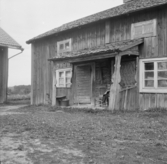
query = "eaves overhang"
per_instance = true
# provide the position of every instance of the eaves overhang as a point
(99, 52)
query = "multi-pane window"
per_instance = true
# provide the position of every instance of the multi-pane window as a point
(64, 78)
(143, 29)
(153, 75)
(64, 46)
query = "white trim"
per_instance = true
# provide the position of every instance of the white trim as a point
(57, 77)
(142, 24)
(154, 89)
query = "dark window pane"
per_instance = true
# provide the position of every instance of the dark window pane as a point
(149, 75)
(61, 74)
(162, 74)
(162, 83)
(162, 65)
(67, 45)
(61, 46)
(149, 66)
(149, 83)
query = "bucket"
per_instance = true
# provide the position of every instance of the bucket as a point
(64, 102)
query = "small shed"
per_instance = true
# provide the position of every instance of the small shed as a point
(6, 41)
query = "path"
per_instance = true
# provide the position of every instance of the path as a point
(9, 109)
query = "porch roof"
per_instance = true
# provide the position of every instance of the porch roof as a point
(7, 41)
(103, 51)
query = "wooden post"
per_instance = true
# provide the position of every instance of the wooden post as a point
(115, 87)
(32, 74)
(54, 87)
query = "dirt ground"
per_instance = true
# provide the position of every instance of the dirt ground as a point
(43, 135)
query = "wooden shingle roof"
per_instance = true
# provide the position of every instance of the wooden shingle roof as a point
(130, 7)
(7, 41)
(114, 47)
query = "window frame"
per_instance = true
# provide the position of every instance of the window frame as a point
(142, 24)
(57, 77)
(155, 88)
(63, 43)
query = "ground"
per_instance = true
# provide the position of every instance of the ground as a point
(44, 135)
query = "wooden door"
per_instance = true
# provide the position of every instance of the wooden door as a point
(129, 94)
(83, 89)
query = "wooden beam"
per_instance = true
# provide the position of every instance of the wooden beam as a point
(115, 87)
(136, 53)
(95, 57)
(75, 59)
(32, 74)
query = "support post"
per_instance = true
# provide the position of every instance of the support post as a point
(115, 87)
(32, 74)
(54, 87)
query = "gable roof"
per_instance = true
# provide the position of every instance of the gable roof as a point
(133, 6)
(110, 48)
(7, 41)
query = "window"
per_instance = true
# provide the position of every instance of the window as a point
(64, 46)
(153, 75)
(143, 29)
(63, 77)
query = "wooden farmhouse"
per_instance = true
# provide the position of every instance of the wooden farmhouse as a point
(5, 42)
(122, 50)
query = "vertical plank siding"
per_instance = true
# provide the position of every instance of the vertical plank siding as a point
(3, 74)
(94, 35)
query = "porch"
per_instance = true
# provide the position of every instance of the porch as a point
(112, 67)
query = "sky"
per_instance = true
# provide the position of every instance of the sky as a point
(25, 19)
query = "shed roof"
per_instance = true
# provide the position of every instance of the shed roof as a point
(7, 41)
(114, 47)
(132, 6)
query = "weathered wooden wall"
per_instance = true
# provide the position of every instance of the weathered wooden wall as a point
(112, 30)
(41, 81)
(3, 74)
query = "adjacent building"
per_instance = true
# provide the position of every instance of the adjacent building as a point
(6, 42)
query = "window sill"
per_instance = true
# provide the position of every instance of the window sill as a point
(164, 90)
(63, 87)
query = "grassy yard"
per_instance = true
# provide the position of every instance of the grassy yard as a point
(43, 135)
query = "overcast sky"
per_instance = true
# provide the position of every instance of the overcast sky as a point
(24, 19)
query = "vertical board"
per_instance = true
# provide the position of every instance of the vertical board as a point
(3, 74)
(83, 84)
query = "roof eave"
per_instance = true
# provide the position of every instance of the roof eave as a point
(130, 12)
(11, 46)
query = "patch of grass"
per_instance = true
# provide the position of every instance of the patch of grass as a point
(103, 137)
(14, 97)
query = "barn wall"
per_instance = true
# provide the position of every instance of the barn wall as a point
(3, 73)
(94, 35)
(41, 79)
